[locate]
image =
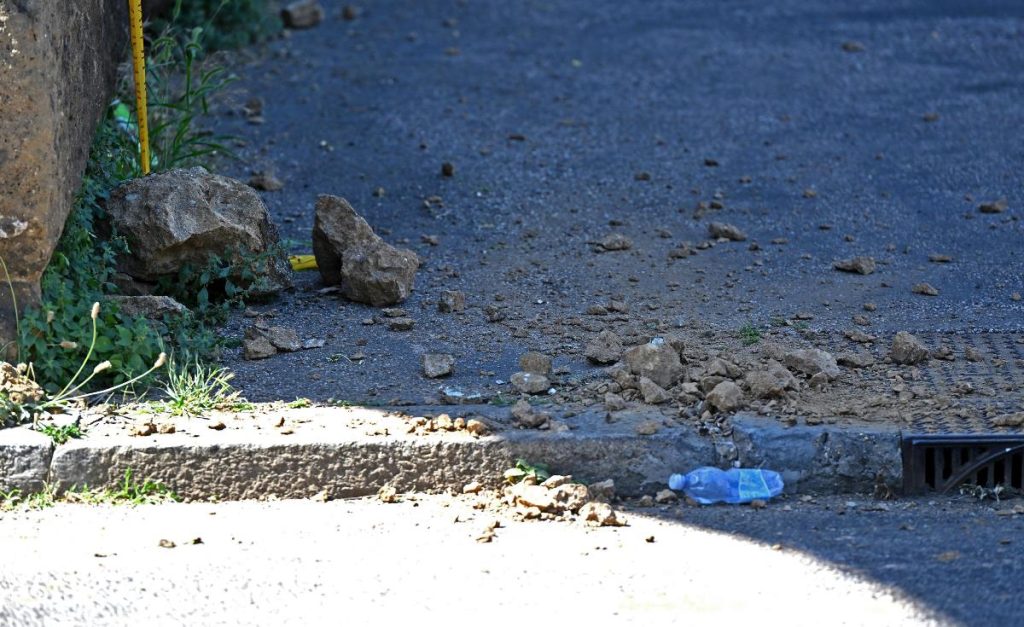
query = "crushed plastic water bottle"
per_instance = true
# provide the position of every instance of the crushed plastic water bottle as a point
(709, 485)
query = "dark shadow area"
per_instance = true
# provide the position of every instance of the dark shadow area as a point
(955, 556)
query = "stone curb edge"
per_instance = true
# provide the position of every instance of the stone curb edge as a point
(824, 459)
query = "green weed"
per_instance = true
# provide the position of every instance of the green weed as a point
(130, 492)
(749, 334)
(523, 470)
(193, 388)
(226, 23)
(61, 434)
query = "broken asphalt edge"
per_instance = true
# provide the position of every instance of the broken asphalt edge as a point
(821, 459)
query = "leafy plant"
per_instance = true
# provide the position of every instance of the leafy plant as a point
(223, 283)
(130, 492)
(61, 434)
(226, 23)
(523, 470)
(749, 334)
(181, 82)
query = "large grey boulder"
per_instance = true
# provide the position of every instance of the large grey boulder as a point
(349, 253)
(188, 216)
(58, 64)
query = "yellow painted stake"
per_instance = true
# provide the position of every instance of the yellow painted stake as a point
(139, 70)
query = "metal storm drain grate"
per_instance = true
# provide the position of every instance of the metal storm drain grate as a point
(944, 462)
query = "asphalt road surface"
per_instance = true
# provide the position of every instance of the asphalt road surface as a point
(834, 561)
(823, 129)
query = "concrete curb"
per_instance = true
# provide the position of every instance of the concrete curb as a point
(240, 465)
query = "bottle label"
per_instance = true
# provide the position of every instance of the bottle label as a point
(752, 485)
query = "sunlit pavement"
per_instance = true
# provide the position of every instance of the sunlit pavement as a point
(367, 562)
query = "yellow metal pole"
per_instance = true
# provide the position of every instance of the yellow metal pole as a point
(139, 70)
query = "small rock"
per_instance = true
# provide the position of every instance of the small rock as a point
(907, 349)
(437, 365)
(452, 301)
(614, 242)
(856, 335)
(447, 169)
(657, 360)
(349, 12)
(258, 347)
(818, 381)
(758, 504)
(726, 396)
(476, 427)
(861, 320)
(217, 425)
(937, 258)
(302, 14)
(472, 487)
(870, 307)
(535, 363)
(151, 307)
(313, 343)
(349, 253)
(853, 46)
(996, 206)
(167, 544)
(666, 496)
(265, 181)
(647, 427)
(925, 288)
(602, 490)
(600, 515)
(614, 402)
(387, 494)
(606, 348)
(943, 353)
(166, 428)
(860, 265)
(727, 231)
(1009, 420)
(770, 383)
(723, 368)
(855, 360)
(524, 416)
(494, 313)
(972, 354)
(530, 383)
(653, 394)
(811, 361)
(144, 430)
(401, 324)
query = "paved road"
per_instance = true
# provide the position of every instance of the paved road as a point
(549, 111)
(365, 562)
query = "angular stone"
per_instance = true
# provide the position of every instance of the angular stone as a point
(188, 217)
(452, 301)
(907, 349)
(535, 363)
(615, 241)
(530, 383)
(811, 361)
(302, 14)
(606, 348)
(437, 365)
(349, 252)
(657, 361)
(860, 265)
(525, 416)
(600, 515)
(855, 360)
(727, 396)
(771, 382)
(152, 307)
(727, 231)
(653, 393)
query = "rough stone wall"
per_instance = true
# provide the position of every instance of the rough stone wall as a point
(58, 62)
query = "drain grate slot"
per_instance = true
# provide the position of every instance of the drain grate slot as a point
(943, 462)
